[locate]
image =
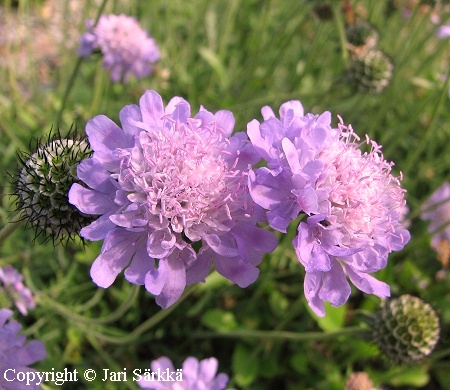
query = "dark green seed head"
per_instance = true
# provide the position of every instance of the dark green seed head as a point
(362, 35)
(370, 72)
(42, 184)
(405, 329)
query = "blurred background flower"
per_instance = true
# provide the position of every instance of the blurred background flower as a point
(126, 48)
(16, 354)
(195, 375)
(12, 286)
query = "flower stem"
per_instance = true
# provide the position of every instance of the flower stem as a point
(155, 319)
(8, 229)
(75, 72)
(92, 326)
(121, 310)
(336, 6)
(281, 335)
(411, 162)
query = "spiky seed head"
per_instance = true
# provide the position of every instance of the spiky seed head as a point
(362, 35)
(42, 183)
(405, 329)
(370, 72)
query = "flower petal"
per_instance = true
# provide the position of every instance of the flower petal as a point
(118, 249)
(225, 121)
(152, 109)
(335, 288)
(233, 268)
(98, 229)
(367, 283)
(104, 135)
(140, 265)
(90, 201)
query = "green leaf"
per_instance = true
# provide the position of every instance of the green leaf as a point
(245, 366)
(334, 317)
(414, 376)
(411, 376)
(220, 320)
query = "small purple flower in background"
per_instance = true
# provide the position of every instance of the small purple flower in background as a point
(443, 31)
(437, 210)
(11, 283)
(195, 375)
(126, 47)
(171, 192)
(350, 204)
(15, 355)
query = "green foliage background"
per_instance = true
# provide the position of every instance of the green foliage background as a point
(238, 55)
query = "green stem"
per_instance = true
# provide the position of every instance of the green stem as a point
(75, 72)
(336, 5)
(427, 133)
(67, 313)
(155, 319)
(110, 363)
(281, 335)
(84, 323)
(8, 229)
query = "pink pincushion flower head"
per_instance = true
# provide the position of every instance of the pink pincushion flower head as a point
(350, 203)
(127, 48)
(171, 194)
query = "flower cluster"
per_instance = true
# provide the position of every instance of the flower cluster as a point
(15, 354)
(195, 375)
(170, 191)
(11, 283)
(127, 48)
(349, 203)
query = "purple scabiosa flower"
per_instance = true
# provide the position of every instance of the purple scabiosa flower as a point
(194, 375)
(127, 48)
(437, 210)
(171, 192)
(348, 201)
(16, 356)
(11, 283)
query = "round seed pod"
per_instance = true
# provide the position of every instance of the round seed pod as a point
(405, 329)
(362, 35)
(370, 72)
(42, 183)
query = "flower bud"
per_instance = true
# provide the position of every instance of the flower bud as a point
(406, 329)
